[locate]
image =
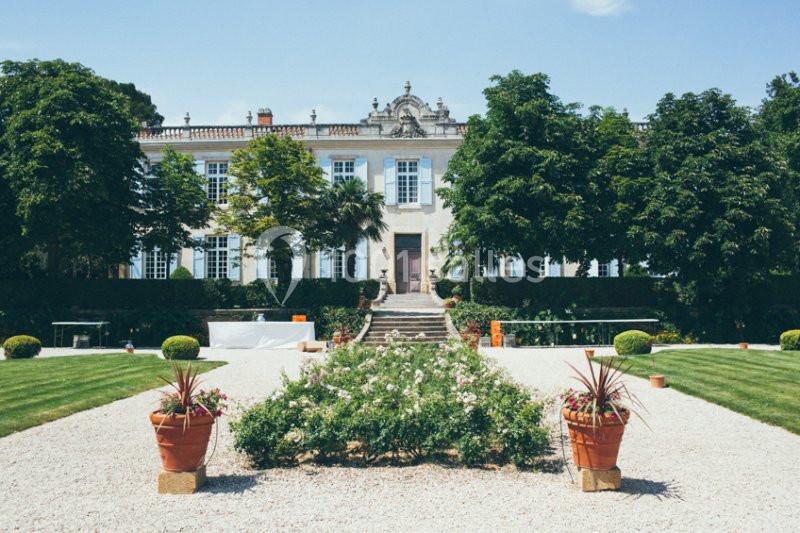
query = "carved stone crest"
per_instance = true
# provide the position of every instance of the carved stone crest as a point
(409, 127)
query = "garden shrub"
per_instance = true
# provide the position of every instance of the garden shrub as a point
(328, 319)
(405, 401)
(667, 337)
(482, 315)
(181, 273)
(633, 342)
(180, 347)
(21, 347)
(790, 340)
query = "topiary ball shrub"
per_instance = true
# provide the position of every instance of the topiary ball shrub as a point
(181, 273)
(633, 342)
(790, 340)
(21, 347)
(180, 347)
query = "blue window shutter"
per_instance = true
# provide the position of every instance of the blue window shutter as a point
(614, 269)
(327, 168)
(173, 263)
(517, 267)
(425, 181)
(324, 269)
(262, 264)
(361, 259)
(390, 181)
(234, 257)
(199, 260)
(200, 168)
(136, 266)
(361, 170)
(298, 257)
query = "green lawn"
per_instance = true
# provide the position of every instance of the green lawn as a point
(761, 384)
(34, 391)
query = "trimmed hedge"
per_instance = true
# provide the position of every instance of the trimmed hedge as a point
(790, 340)
(181, 273)
(171, 293)
(180, 347)
(561, 293)
(21, 347)
(328, 319)
(633, 342)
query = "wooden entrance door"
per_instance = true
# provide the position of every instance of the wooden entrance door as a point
(408, 263)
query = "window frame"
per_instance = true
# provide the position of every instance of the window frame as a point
(343, 175)
(217, 256)
(154, 264)
(217, 182)
(407, 181)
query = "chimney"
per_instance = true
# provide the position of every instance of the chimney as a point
(264, 116)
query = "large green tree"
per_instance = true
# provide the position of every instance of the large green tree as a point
(518, 182)
(142, 106)
(715, 219)
(348, 213)
(174, 202)
(68, 155)
(276, 182)
(779, 117)
(619, 181)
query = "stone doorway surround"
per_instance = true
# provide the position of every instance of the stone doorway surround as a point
(425, 283)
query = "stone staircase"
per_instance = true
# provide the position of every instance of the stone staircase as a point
(408, 325)
(410, 315)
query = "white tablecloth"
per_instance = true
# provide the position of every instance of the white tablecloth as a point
(263, 335)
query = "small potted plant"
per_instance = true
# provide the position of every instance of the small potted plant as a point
(588, 352)
(596, 416)
(471, 334)
(455, 293)
(449, 303)
(184, 419)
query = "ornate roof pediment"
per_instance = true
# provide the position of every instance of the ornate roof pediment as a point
(408, 116)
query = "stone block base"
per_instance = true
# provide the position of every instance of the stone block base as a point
(595, 480)
(181, 482)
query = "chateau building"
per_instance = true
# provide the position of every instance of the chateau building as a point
(401, 150)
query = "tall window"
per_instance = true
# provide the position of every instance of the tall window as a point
(343, 170)
(337, 257)
(273, 269)
(407, 182)
(217, 256)
(156, 265)
(603, 270)
(217, 175)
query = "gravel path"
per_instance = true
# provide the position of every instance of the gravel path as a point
(700, 467)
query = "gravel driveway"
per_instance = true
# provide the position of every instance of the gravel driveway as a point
(700, 467)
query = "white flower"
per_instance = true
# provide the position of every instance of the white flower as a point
(277, 395)
(292, 404)
(420, 335)
(407, 392)
(390, 387)
(343, 394)
(294, 435)
(418, 376)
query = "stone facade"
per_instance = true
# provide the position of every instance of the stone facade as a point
(405, 142)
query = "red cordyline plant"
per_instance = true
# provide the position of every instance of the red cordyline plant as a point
(186, 399)
(605, 395)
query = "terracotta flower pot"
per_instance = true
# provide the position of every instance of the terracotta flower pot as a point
(182, 450)
(594, 447)
(743, 345)
(589, 352)
(657, 381)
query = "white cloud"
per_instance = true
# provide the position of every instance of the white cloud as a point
(600, 8)
(12, 45)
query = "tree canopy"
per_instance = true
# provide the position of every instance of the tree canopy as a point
(174, 202)
(519, 180)
(69, 157)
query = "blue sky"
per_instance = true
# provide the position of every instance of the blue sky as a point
(219, 59)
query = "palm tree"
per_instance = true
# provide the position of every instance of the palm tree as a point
(350, 213)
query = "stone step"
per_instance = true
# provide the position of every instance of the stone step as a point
(407, 320)
(425, 327)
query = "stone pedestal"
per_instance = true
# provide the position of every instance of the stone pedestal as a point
(181, 482)
(595, 480)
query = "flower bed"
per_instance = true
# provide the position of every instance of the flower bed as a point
(407, 402)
